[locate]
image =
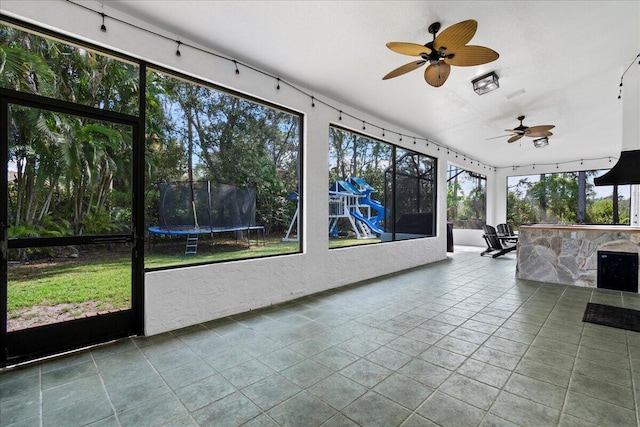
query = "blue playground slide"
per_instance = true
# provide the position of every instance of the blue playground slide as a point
(380, 210)
(368, 222)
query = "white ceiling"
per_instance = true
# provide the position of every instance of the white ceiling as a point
(560, 63)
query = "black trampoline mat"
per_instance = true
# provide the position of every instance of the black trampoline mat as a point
(616, 317)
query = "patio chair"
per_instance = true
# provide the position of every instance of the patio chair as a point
(495, 246)
(506, 234)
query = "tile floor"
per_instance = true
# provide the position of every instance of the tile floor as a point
(456, 343)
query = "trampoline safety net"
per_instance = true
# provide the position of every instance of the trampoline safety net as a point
(204, 206)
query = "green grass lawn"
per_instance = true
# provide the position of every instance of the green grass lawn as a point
(103, 276)
(105, 281)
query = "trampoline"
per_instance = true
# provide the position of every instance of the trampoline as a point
(191, 209)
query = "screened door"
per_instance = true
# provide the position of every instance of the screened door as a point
(69, 252)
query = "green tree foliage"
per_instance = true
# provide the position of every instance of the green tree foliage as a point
(466, 210)
(553, 198)
(66, 167)
(203, 134)
(76, 173)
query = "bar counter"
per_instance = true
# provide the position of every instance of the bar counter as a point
(568, 254)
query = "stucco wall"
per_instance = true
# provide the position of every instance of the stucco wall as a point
(185, 296)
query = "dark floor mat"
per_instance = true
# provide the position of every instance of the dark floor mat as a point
(616, 317)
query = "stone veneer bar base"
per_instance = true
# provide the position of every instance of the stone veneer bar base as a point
(568, 254)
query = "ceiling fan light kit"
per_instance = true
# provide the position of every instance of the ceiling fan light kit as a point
(447, 49)
(485, 84)
(541, 142)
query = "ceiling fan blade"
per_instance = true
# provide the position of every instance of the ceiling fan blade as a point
(538, 134)
(404, 69)
(496, 137)
(535, 129)
(468, 56)
(514, 138)
(436, 75)
(456, 36)
(412, 49)
(512, 130)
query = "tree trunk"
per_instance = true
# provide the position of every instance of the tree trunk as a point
(616, 211)
(582, 197)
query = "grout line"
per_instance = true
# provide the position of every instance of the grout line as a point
(40, 408)
(104, 387)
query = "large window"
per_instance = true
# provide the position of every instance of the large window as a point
(566, 198)
(377, 191)
(220, 169)
(466, 198)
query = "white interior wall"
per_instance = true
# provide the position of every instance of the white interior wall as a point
(186, 296)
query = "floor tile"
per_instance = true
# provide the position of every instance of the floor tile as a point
(449, 412)
(388, 358)
(425, 372)
(359, 346)
(484, 372)
(404, 391)
(470, 391)
(204, 392)
(543, 372)
(599, 412)
(507, 346)
(340, 420)
(606, 358)
(456, 345)
(550, 357)
(603, 390)
(21, 410)
(523, 411)
(306, 373)
(232, 410)
(303, 409)
(310, 346)
(247, 373)
(68, 374)
(335, 358)
(366, 372)
(408, 346)
(158, 411)
(536, 390)
(186, 374)
(270, 391)
(444, 358)
(469, 335)
(596, 370)
(496, 357)
(66, 393)
(226, 359)
(373, 409)
(337, 391)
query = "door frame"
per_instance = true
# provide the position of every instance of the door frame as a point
(55, 338)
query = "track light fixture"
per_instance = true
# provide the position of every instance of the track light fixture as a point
(103, 27)
(178, 48)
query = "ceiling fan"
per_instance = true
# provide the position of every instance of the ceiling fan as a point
(448, 48)
(522, 130)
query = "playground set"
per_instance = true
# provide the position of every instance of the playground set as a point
(350, 200)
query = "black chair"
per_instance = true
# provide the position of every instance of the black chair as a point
(495, 245)
(506, 234)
